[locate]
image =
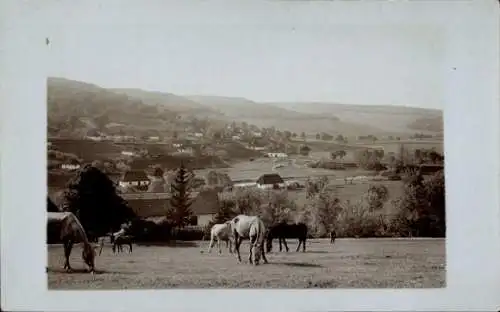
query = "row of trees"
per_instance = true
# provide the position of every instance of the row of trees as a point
(420, 211)
(94, 199)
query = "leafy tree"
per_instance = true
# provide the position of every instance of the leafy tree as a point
(225, 212)
(294, 135)
(179, 212)
(322, 212)
(422, 209)
(376, 196)
(287, 134)
(93, 198)
(340, 138)
(304, 150)
(303, 136)
(51, 207)
(318, 136)
(158, 171)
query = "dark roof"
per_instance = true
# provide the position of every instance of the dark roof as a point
(135, 175)
(270, 178)
(147, 205)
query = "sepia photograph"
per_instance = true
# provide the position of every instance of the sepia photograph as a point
(282, 155)
(251, 156)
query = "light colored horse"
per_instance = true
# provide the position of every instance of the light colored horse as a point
(221, 232)
(251, 227)
(73, 232)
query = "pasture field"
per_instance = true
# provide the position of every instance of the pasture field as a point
(352, 192)
(349, 263)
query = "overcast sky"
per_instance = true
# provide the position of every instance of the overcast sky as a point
(271, 54)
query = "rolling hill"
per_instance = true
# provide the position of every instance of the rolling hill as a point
(392, 119)
(76, 107)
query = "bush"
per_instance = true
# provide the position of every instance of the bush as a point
(422, 210)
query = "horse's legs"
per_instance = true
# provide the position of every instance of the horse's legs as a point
(281, 247)
(68, 245)
(284, 243)
(218, 246)
(211, 245)
(252, 242)
(237, 242)
(102, 246)
(263, 253)
(304, 244)
(130, 247)
(298, 246)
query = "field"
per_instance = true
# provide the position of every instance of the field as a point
(349, 263)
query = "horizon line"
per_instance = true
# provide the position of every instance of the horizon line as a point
(186, 96)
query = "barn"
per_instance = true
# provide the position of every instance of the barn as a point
(270, 180)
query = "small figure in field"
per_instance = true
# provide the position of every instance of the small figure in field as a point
(333, 236)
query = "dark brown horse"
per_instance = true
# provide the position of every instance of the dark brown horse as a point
(72, 232)
(282, 231)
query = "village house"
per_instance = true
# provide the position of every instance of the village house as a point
(154, 138)
(128, 153)
(71, 165)
(134, 178)
(277, 155)
(270, 181)
(155, 205)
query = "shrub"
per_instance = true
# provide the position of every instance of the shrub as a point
(376, 196)
(422, 210)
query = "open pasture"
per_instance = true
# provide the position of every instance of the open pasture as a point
(349, 263)
(352, 192)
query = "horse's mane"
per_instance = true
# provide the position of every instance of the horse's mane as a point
(73, 223)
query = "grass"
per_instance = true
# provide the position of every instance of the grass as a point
(350, 263)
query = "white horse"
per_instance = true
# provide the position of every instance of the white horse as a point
(251, 227)
(221, 232)
(73, 232)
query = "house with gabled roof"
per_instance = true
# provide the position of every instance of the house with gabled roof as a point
(134, 178)
(270, 181)
(204, 206)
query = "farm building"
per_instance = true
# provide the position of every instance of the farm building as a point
(277, 155)
(134, 178)
(155, 205)
(270, 180)
(71, 165)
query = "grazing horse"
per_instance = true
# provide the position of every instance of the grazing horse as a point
(221, 232)
(333, 236)
(120, 240)
(251, 227)
(284, 230)
(73, 232)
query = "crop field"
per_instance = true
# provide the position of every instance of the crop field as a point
(251, 170)
(349, 263)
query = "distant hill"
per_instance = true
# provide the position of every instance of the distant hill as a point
(393, 119)
(168, 100)
(77, 107)
(434, 124)
(268, 115)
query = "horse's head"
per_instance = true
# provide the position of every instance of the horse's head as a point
(257, 253)
(88, 256)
